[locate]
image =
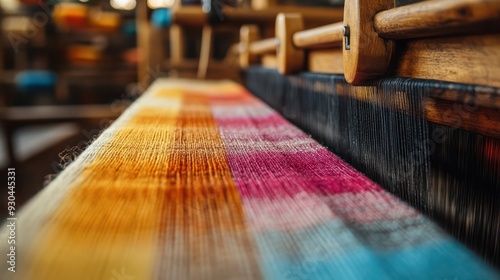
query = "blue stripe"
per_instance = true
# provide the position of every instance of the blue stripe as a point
(331, 251)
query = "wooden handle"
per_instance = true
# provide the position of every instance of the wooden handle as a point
(321, 37)
(263, 46)
(436, 17)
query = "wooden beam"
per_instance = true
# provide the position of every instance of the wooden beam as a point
(325, 61)
(463, 59)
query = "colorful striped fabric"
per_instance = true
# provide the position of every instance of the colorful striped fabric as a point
(201, 180)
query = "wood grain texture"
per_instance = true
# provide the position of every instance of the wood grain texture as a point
(462, 59)
(320, 37)
(325, 61)
(438, 17)
(482, 120)
(369, 55)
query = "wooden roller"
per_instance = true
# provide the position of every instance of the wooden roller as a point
(368, 31)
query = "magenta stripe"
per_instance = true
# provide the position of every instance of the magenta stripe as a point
(278, 168)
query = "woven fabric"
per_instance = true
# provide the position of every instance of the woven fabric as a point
(201, 180)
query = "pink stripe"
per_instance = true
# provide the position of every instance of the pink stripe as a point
(288, 181)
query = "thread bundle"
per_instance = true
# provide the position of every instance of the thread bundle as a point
(200, 180)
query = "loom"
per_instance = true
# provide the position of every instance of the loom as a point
(364, 148)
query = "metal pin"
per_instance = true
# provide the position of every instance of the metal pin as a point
(347, 33)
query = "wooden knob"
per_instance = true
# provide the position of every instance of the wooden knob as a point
(289, 58)
(366, 56)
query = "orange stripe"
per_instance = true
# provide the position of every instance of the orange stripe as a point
(203, 222)
(107, 227)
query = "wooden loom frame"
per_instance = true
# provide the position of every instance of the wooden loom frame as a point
(446, 40)
(467, 29)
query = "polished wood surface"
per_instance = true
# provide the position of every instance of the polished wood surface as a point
(473, 59)
(325, 61)
(264, 46)
(320, 37)
(438, 17)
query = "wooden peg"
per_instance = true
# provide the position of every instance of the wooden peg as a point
(366, 56)
(289, 58)
(248, 35)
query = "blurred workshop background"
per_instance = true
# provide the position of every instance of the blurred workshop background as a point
(67, 69)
